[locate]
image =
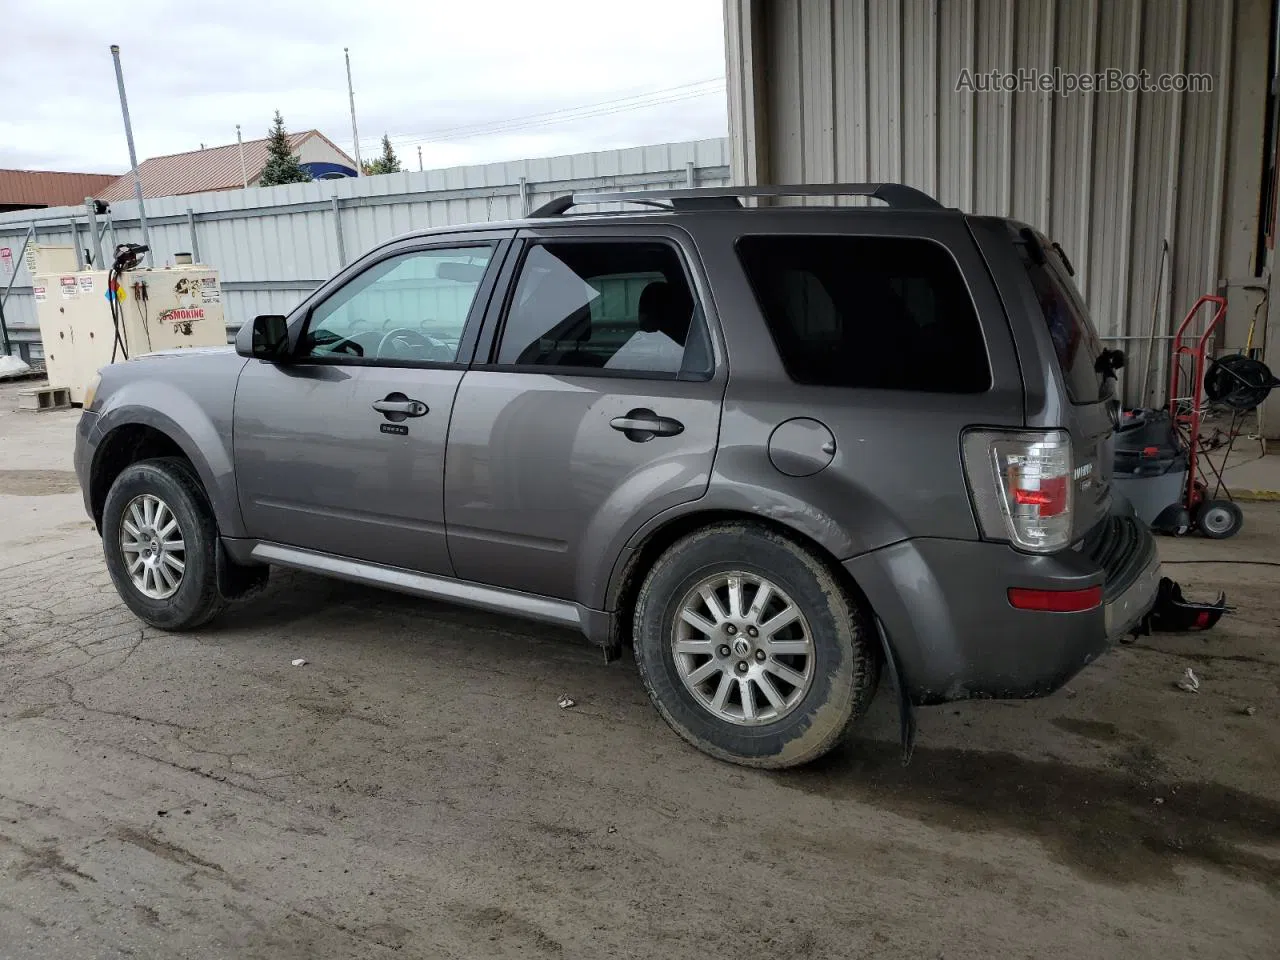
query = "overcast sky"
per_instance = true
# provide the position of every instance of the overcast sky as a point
(423, 69)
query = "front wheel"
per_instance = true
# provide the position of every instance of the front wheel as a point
(160, 543)
(751, 649)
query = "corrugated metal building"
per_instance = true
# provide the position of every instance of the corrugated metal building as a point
(866, 90)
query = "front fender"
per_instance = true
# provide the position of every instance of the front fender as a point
(204, 437)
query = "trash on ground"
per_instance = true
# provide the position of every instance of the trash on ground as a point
(1248, 711)
(1189, 682)
(566, 701)
(300, 662)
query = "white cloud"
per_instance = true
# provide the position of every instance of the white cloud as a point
(195, 70)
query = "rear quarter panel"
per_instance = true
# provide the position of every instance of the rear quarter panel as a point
(897, 470)
(1048, 401)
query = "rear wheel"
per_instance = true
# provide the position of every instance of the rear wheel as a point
(751, 649)
(160, 543)
(1219, 519)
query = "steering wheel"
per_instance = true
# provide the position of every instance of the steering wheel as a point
(348, 346)
(405, 336)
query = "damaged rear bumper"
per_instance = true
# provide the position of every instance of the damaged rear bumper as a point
(946, 611)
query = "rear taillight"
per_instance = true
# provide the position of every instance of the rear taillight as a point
(1022, 486)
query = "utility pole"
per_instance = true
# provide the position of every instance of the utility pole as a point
(244, 171)
(133, 154)
(351, 95)
(419, 158)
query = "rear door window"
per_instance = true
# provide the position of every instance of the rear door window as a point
(891, 313)
(1075, 342)
(623, 307)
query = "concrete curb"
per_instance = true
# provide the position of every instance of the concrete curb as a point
(1256, 496)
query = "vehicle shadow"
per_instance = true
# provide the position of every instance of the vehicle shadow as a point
(1123, 825)
(1110, 824)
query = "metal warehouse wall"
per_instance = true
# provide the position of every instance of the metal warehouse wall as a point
(273, 244)
(865, 90)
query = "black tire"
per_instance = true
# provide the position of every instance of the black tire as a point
(196, 600)
(846, 654)
(1219, 519)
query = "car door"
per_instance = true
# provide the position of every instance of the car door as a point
(597, 408)
(340, 448)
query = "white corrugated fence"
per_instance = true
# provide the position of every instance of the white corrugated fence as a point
(273, 244)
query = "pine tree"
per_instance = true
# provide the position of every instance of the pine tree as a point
(282, 163)
(387, 163)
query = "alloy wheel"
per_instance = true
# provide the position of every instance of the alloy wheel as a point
(743, 648)
(153, 547)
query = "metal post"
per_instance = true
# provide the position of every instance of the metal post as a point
(351, 94)
(94, 236)
(133, 154)
(690, 174)
(195, 241)
(244, 171)
(524, 196)
(337, 232)
(419, 158)
(75, 243)
(22, 257)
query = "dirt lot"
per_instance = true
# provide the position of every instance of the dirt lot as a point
(415, 790)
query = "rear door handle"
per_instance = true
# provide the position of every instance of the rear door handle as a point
(396, 406)
(643, 424)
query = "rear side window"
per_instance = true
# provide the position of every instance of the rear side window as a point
(623, 307)
(1075, 342)
(890, 313)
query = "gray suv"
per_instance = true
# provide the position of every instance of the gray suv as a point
(774, 448)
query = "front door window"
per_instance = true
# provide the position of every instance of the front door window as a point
(409, 308)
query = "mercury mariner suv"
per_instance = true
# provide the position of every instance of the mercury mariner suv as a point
(775, 448)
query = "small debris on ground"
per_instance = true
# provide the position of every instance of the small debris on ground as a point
(1071, 694)
(566, 701)
(1159, 799)
(1189, 682)
(1248, 711)
(300, 662)
(612, 829)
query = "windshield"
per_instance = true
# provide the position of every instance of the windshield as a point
(1075, 342)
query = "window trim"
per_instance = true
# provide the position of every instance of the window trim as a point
(491, 342)
(470, 326)
(782, 359)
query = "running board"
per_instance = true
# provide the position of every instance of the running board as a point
(496, 599)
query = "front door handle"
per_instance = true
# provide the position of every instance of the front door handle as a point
(396, 407)
(642, 424)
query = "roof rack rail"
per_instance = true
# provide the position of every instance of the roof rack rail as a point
(896, 195)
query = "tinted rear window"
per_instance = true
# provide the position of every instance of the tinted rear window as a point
(883, 312)
(1075, 342)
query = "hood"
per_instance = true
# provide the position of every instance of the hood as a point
(184, 352)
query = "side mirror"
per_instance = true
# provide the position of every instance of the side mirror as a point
(268, 338)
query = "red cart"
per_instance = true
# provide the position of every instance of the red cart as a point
(1214, 516)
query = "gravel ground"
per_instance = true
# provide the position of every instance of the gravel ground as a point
(415, 790)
